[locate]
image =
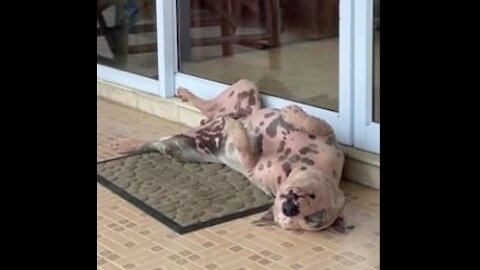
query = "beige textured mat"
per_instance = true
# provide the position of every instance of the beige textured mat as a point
(183, 196)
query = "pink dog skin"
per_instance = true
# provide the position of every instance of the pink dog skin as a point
(290, 155)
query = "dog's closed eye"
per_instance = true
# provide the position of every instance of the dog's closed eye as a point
(311, 195)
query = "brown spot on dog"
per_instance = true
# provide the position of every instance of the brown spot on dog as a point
(282, 146)
(222, 110)
(251, 97)
(242, 95)
(311, 136)
(279, 180)
(294, 159)
(306, 150)
(259, 143)
(217, 128)
(238, 105)
(187, 140)
(260, 167)
(268, 115)
(210, 137)
(269, 164)
(286, 168)
(257, 130)
(307, 161)
(279, 121)
(261, 123)
(303, 168)
(285, 154)
(330, 140)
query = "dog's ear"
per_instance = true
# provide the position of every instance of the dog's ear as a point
(340, 226)
(316, 219)
(266, 220)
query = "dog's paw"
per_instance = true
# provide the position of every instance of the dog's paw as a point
(266, 220)
(294, 108)
(184, 94)
(292, 113)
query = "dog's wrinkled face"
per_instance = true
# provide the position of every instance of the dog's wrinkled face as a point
(307, 201)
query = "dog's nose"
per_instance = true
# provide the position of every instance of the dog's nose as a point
(289, 209)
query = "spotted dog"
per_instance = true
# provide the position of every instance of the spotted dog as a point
(287, 153)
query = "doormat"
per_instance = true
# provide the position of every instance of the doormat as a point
(183, 196)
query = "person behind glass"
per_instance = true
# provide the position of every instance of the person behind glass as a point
(131, 10)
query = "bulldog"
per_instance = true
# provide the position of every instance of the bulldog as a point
(290, 155)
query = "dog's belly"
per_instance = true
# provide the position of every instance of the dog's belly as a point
(285, 149)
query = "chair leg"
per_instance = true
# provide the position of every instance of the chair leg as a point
(272, 14)
(226, 29)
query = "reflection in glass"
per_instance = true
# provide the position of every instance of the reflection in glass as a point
(289, 48)
(127, 35)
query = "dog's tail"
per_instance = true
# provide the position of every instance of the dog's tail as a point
(145, 148)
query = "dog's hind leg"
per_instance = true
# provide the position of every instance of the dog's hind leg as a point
(295, 116)
(180, 146)
(239, 100)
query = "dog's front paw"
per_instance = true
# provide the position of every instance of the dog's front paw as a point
(292, 113)
(293, 108)
(266, 220)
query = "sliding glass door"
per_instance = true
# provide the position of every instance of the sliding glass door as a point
(127, 43)
(366, 117)
(296, 52)
(320, 54)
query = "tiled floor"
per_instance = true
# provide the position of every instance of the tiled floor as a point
(129, 239)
